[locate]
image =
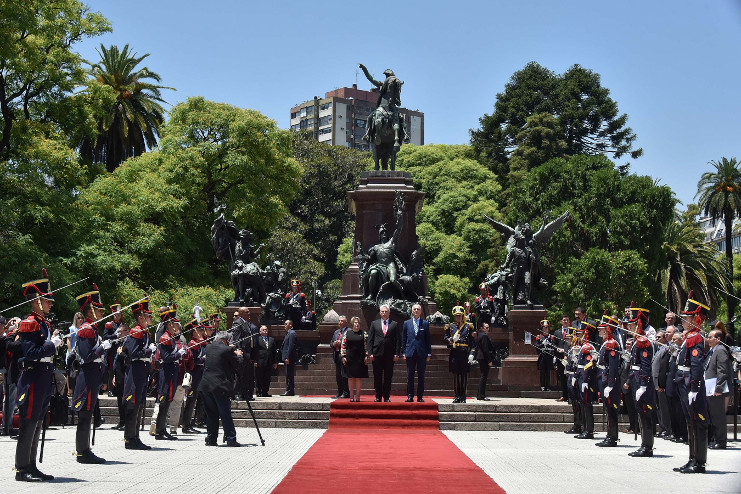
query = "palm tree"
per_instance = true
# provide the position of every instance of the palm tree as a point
(691, 264)
(132, 124)
(719, 193)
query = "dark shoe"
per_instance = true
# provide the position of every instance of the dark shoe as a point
(561, 399)
(343, 395)
(110, 394)
(573, 430)
(642, 453)
(249, 398)
(143, 446)
(132, 444)
(608, 442)
(679, 440)
(387, 400)
(690, 463)
(717, 446)
(266, 395)
(88, 457)
(585, 435)
(233, 443)
(542, 388)
(119, 427)
(377, 400)
(99, 422)
(352, 400)
(190, 430)
(420, 400)
(409, 399)
(694, 468)
(35, 470)
(287, 393)
(456, 400)
(27, 476)
(165, 436)
(338, 395)
(211, 442)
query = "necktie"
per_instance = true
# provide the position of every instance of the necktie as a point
(384, 327)
(266, 340)
(416, 327)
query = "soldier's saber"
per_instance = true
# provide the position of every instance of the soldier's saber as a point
(32, 299)
(43, 438)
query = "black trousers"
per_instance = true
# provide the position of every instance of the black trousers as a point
(647, 429)
(578, 414)
(383, 371)
(416, 365)
(245, 383)
(717, 409)
(290, 375)
(161, 426)
(190, 405)
(612, 421)
(664, 413)
(342, 385)
(82, 435)
(218, 406)
(133, 420)
(630, 407)
(679, 424)
(545, 377)
(484, 367)
(262, 379)
(26, 450)
(561, 373)
(587, 410)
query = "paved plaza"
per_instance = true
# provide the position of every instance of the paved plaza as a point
(520, 462)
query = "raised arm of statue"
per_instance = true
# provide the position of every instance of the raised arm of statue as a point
(399, 214)
(369, 76)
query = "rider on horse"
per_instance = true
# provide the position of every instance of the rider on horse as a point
(389, 99)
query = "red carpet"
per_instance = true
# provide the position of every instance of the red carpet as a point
(400, 448)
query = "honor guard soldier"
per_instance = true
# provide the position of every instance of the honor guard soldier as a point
(691, 381)
(110, 332)
(197, 347)
(138, 350)
(168, 356)
(296, 305)
(609, 364)
(35, 380)
(587, 381)
(644, 395)
(545, 344)
(572, 358)
(458, 337)
(89, 351)
(483, 305)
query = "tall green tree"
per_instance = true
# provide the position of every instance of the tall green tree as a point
(719, 196)
(132, 123)
(588, 118)
(691, 264)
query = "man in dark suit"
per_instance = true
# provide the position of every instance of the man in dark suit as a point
(343, 390)
(718, 370)
(221, 365)
(415, 341)
(267, 360)
(485, 356)
(289, 356)
(384, 347)
(245, 332)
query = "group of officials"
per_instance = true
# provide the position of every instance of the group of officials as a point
(385, 343)
(679, 378)
(194, 378)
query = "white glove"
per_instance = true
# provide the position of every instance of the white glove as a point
(583, 387)
(152, 346)
(691, 396)
(106, 344)
(640, 392)
(607, 391)
(57, 341)
(573, 381)
(182, 351)
(470, 358)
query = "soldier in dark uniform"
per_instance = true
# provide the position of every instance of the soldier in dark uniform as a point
(168, 356)
(197, 347)
(110, 332)
(586, 372)
(679, 424)
(572, 357)
(295, 304)
(138, 350)
(35, 381)
(690, 373)
(459, 339)
(89, 351)
(309, 319)
(119, 374)
(483, 305)
(642, 385)
(545, 344)
(609, 364)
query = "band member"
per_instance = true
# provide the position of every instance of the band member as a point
(644, 392)
(197, 348)
(545, 344)
(110, 332)
(120, 364)
(609, 363)
(35, 381)
(458, 336)
(690, 376)
(168, 356)
(295, 303)
(572, 358)
(138, 349)
(587, 381)
(89, 352)
(483, 304)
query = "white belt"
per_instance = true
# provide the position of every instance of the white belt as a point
(635, 367)
(143, 359)
(45, 359)
(683, 368)
(601, 367)
(569, 372)
(579, 366)
(99, 360)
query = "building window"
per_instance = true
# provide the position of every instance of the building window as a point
(327, 130)
(309, 110)
(325, 120)
(325, 106)
(360, 123)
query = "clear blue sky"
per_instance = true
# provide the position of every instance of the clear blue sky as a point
(672, 66)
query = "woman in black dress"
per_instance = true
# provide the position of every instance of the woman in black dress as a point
(355, 357)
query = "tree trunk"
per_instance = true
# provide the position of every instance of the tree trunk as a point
(730, 300)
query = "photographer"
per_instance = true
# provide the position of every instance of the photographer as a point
(222, 362)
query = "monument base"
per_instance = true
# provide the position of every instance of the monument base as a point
(520, 369)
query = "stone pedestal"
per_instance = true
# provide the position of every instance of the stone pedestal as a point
(230, 310)
(372, 204)
(520, 369)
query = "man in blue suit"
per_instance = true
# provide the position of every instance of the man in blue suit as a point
(415, 340)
